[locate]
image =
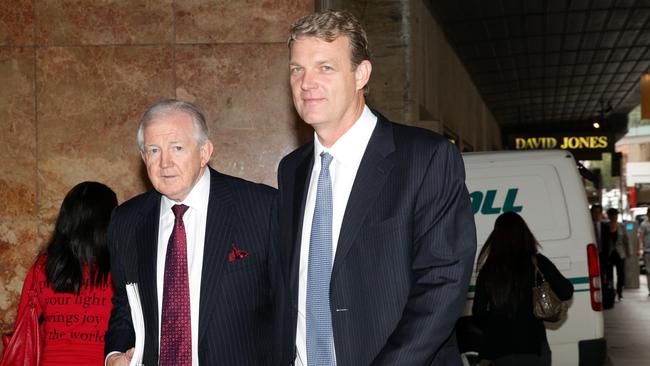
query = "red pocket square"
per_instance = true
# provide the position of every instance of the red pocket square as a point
(236, 254)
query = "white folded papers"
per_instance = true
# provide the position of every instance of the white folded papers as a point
(138, 322)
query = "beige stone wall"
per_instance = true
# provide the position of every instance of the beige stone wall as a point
(441, 88)
(387, 31)
(389, 88)
(417, 79)
(76, 76)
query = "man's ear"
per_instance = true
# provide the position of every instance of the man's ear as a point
(143, 156)
(362, 73)
(206, 152)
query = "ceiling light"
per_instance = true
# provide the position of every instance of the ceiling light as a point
(596, 125)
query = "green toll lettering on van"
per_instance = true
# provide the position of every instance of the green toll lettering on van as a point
(486, 205)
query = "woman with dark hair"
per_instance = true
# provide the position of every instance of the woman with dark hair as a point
(503, 306)
(72, 279)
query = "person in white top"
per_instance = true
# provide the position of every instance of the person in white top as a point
(214, 232)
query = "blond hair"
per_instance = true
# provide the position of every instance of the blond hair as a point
(328, 25)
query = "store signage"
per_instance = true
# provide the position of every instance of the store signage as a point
(584, 146)
(565, 142)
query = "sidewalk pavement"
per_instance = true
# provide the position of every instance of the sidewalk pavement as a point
(627, 328)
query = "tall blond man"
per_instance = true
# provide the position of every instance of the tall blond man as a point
(377, 232)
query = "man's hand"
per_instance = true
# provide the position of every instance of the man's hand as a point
(120, 359)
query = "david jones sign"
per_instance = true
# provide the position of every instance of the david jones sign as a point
(565, 142)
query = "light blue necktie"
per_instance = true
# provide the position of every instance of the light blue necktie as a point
(320, 337)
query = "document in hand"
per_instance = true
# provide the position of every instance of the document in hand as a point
(138, 322)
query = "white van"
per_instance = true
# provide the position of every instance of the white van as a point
(545, 188)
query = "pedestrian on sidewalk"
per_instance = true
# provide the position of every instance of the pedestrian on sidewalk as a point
(644, 245)
(616, 241)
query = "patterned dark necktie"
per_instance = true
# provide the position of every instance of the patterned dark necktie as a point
(176, 329)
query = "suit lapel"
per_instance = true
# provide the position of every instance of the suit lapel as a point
(147, 251)
(370, 178)
(300, 185)
(218, 236)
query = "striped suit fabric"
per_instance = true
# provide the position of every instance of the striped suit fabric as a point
(238, 297)
(405, 249)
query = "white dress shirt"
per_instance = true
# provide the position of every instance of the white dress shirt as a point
(195, 224)
(347, 152)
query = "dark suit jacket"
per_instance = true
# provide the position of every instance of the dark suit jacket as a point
(606, 246)
(405, 251)
(236, 310)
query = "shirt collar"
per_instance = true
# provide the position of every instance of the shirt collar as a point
(349, 148)
(196, 199)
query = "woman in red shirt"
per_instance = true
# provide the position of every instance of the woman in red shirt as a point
(73, 279)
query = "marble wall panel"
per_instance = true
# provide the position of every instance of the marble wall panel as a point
(89, 102)
(17, 139)
(254, 154)
(16, 22)
(58, 173)
(243, 86)
(75, 22)
(17, 121)
(224, 21)
(18, 188)
(70, 106)
(19, 245)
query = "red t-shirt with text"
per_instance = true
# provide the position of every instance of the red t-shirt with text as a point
(74, 324)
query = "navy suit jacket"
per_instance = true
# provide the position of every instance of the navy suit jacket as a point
(405, 250)
(237, 307)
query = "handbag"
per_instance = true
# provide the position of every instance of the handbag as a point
(546, 305)
(25, 346)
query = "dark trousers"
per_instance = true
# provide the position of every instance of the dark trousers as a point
(605, 269)
(616, 261)
(519, 359)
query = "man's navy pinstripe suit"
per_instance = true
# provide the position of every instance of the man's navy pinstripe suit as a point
(405, 250)
(236, 310)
